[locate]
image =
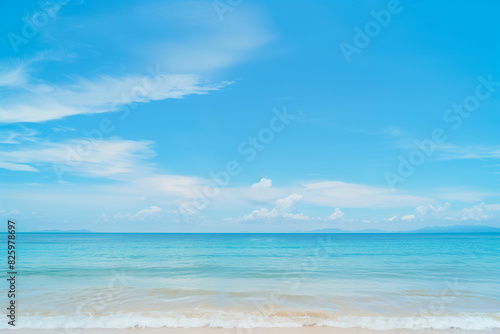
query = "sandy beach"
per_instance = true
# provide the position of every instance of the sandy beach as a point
(299, 330)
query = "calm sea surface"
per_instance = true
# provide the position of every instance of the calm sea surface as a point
(377, 281)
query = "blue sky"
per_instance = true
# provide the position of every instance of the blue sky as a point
(210, 116)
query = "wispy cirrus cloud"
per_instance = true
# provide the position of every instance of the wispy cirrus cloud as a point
(108, 158)
(217, 45)
(456, 152)
(166, 186)
(18, 136)
(351, 195)
(17, 167)
(181, 36)
(13, 76)
(44, 102)
(463, 195)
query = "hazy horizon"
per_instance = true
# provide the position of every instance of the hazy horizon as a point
(375, 115)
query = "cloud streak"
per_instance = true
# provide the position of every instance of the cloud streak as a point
(454, 152)
(351, 195)
(43, 102)
(109, 158)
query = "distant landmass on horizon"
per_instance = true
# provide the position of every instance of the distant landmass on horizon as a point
(428, 229)
(62, 231)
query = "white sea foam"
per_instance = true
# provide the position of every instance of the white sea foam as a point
(222, 319)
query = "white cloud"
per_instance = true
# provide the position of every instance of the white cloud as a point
(432, 209)
(182, 36)
(18, 137)
(215, 44)
(286, 204)
(326, 194)
(281, 210)
(336, 215)
(11, 213)
(477, 212)
(408, 218)
(183, 192)
(43, 102)
(13, 76)
(103, 158)
(201, 43)
(350, 195)
(454, 152)
(261, 214)
(178, 186)
(395, 218)
(17, 167)
(151, 212)
(263, 183)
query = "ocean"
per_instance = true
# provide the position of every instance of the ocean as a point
(376, 281)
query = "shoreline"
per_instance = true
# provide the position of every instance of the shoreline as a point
(270, 330)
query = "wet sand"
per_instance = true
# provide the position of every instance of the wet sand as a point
(297, 330)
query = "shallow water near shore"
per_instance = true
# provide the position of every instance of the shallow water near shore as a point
(372, 281)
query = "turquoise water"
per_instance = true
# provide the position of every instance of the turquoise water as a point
(377, 281)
